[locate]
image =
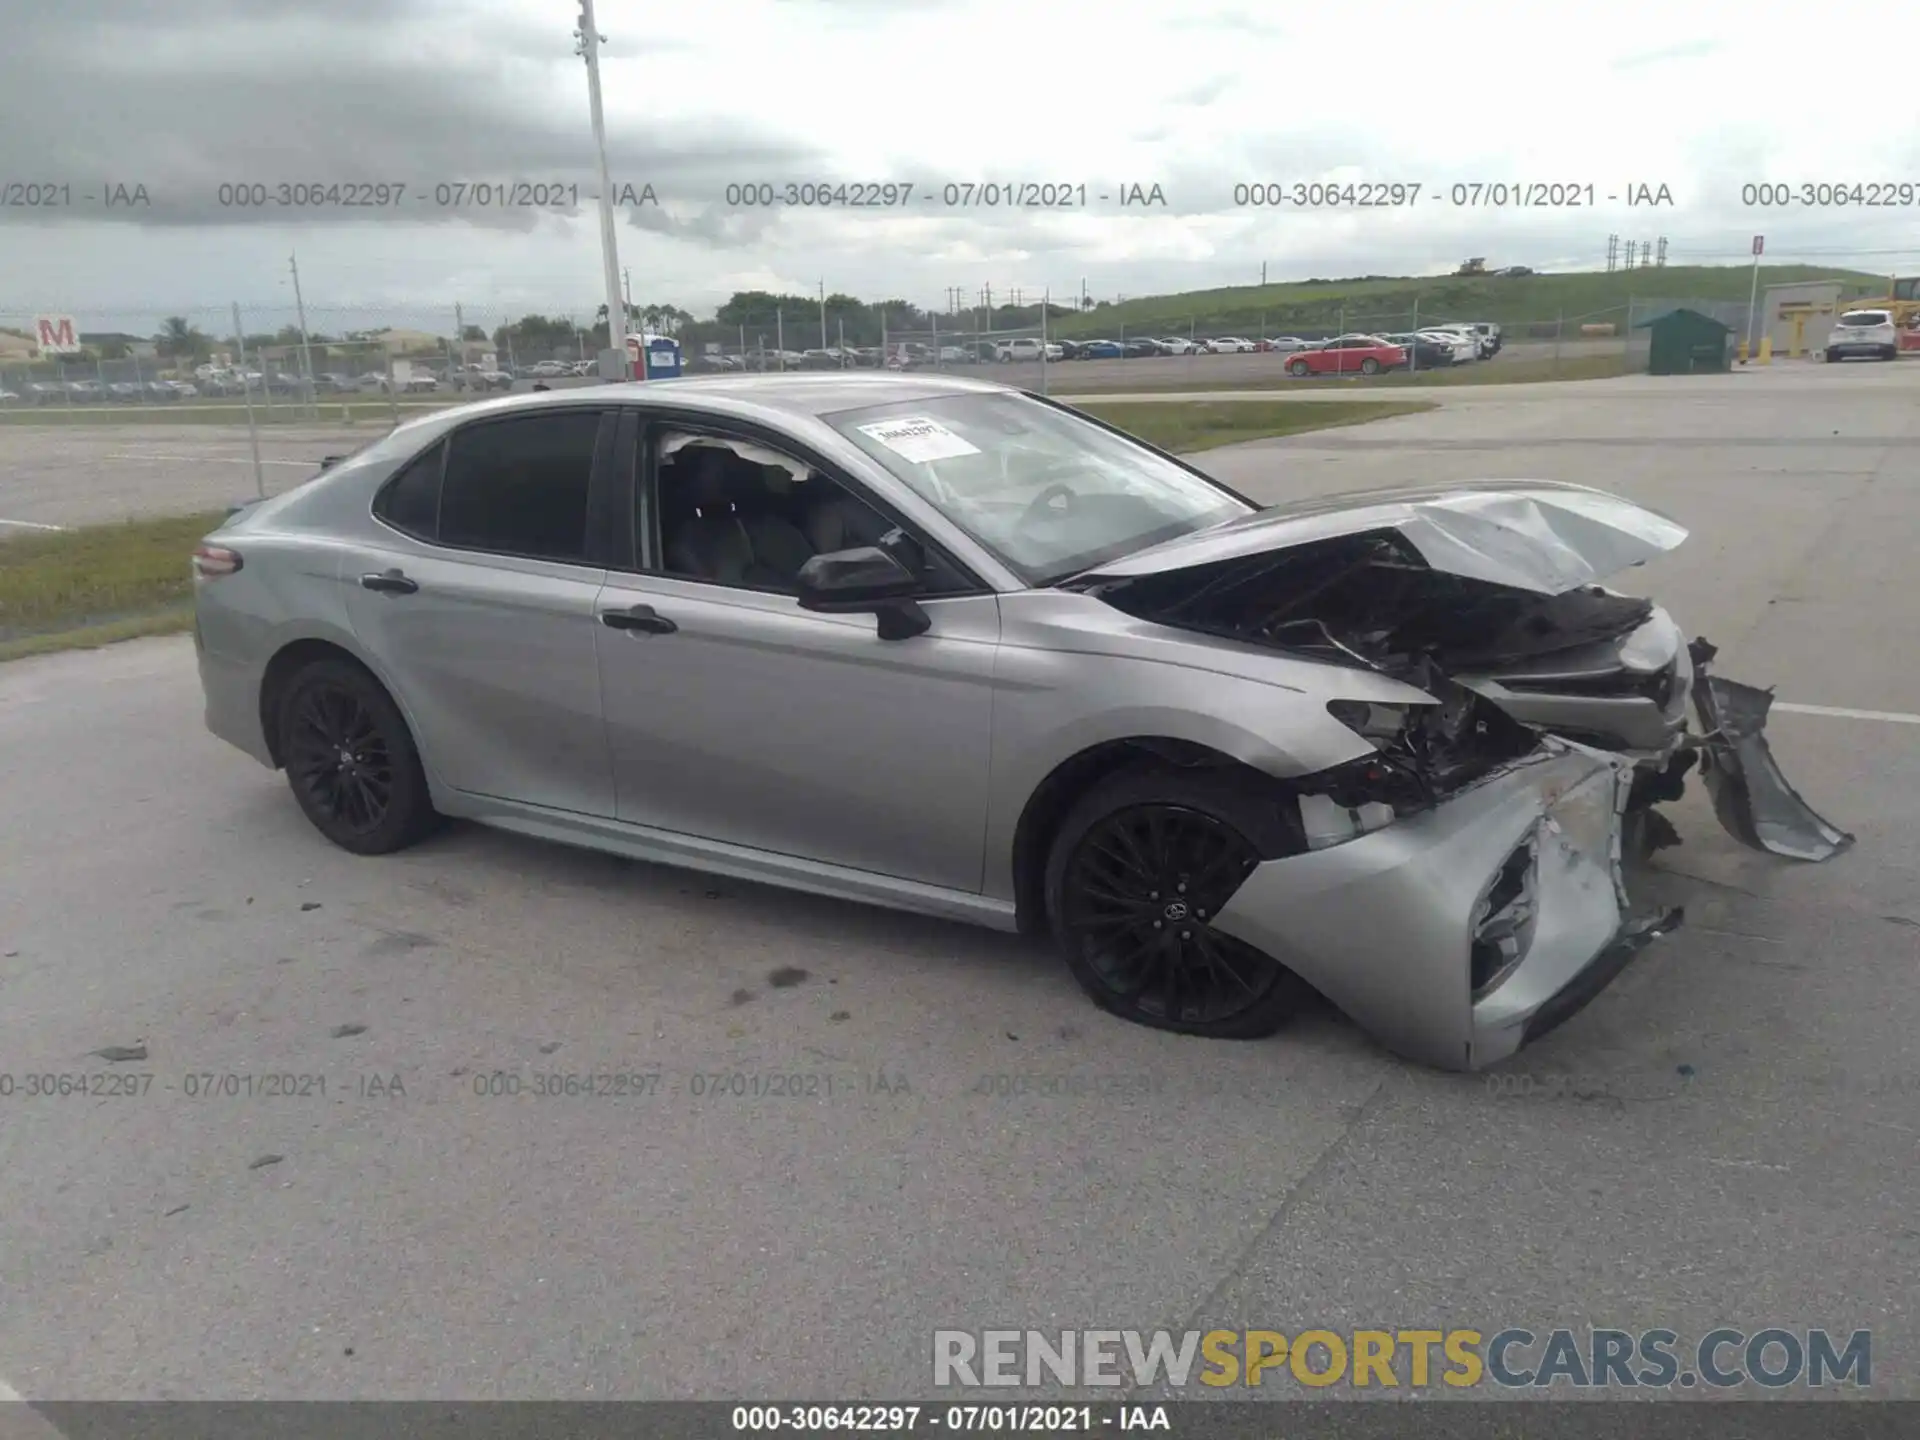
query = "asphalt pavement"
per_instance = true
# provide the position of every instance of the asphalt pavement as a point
(324, 1168)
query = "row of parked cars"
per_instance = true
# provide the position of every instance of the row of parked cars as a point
(95, 392)
(1443, 345)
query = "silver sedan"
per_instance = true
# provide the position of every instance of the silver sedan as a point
(942, 645)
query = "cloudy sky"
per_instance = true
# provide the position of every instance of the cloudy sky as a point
(183, 97)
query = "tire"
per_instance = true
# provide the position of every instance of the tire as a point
(1832, 358)
(1891, 353)
(1299, 368)
(1114, 900)
(1369, 366)
(330, 705)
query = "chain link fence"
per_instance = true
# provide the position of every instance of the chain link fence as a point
(370, 366)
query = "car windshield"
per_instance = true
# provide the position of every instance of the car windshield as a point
(1049, 493)
(1864, 317)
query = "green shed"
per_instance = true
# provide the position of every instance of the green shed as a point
(1685, 342)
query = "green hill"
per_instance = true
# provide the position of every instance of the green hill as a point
(1517, 301)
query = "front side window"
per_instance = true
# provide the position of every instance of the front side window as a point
(735, 512)
(1047, 492)
(519, 486)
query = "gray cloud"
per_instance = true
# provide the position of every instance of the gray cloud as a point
(186, 95)
(188, 98)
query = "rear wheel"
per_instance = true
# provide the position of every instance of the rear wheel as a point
(1369, 366)
(1833, 357)
(1138, 873)
(351, 762)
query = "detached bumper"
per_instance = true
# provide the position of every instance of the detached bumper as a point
(1751, 796)
(1514, 886)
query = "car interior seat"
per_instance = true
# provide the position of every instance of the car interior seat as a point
(734, 536)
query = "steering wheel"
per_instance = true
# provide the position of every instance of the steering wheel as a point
(1046, 497)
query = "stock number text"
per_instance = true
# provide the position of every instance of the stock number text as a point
(1871, 194)
(863, 194)
(1315, 195)
(301, 195)
(95, 1085)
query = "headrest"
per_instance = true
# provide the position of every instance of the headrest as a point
(712, 480)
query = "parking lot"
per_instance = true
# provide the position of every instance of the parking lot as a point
(1727, 1137)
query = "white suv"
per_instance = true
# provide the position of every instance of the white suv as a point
(1864, 332)
(1029, 350)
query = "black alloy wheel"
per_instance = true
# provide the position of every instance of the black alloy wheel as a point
(350, 762)
(1138, 894)
(338, 756)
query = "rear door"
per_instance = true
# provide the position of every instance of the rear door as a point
(477, 604)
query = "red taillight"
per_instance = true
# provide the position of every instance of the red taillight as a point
(210, 562)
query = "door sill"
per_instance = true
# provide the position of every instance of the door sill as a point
(738, 862)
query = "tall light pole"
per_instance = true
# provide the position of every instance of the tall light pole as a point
(590, 40)
(306, 345)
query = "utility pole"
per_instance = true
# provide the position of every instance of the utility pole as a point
(1045, 297)
(306, 347)
(246, 390)
(590, 40)
(823, 314)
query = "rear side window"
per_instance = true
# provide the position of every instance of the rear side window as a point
(519, 487)
(410, 502)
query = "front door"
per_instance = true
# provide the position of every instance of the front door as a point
(736, 716)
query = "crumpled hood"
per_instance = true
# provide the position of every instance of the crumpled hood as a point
(1537, 535)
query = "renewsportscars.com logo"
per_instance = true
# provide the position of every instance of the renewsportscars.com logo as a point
(1512, 1358)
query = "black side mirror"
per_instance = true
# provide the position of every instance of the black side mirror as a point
(866, 578)
(843, 581)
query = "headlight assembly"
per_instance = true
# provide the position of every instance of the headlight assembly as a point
(1382, 724)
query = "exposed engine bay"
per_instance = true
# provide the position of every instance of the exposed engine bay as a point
(1506, 665)
(1371, 600)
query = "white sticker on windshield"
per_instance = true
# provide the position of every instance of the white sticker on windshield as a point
(916, 438)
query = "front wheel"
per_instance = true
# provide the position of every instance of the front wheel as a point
(1137, 876)
(351, 762)
(1299, 368)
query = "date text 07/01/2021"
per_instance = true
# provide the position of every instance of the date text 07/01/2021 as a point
(1460, 195)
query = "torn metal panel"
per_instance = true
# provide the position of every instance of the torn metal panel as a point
(1531, 535)
(1385, 924)
(1750, 794)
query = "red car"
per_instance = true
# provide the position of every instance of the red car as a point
(1348, 355)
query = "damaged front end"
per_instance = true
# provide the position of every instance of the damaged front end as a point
(1463, 889)
(1492, 591)
(1468, 926)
